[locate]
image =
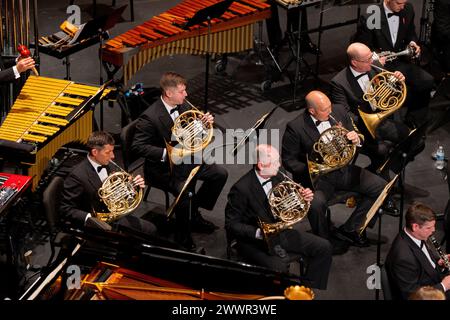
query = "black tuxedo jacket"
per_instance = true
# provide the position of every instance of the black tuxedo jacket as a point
(153, 129)
(299, 138)
(408, 268)
(441, 22)
(6, 71)
(380, 39)
(346, 91)
(247, 202)
(80, 194)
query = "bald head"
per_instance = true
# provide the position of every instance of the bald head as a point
(268, 160)
(359, 57)
(318, 104)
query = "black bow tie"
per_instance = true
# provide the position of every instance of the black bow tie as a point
(266, 182)
(99, 168)
(177, 108)
(422, 243)
(361, 75)
(390, 14)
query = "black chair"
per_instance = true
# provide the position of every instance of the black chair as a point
(131, 161)
(113, 3)
(385, 284)
(51, 199)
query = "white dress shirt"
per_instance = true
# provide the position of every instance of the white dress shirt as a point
(364, 82)
(324, 125)
(393, 22)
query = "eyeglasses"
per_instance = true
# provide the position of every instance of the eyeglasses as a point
(368, 60)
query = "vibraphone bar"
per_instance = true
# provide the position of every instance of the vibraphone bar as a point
(47, 114)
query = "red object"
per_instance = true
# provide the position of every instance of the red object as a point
(24, 51)
(15, 181)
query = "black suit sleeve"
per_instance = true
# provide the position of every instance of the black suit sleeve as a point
(72, 198)
(292, 152)
(7, 75)
(412, 34)
(405, 272)
(145, 135)
(441, 21)
(338, 95)
(236, 217)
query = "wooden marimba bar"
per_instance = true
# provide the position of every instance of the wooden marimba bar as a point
(164, 34)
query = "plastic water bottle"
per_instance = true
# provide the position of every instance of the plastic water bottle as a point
(440, 156)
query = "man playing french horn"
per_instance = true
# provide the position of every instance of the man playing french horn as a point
(154, 131)
(80, 198)
(250, 213)
(299, 142)
(382, 128)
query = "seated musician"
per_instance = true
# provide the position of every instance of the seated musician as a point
(80, 197)
(411, 263)
(10, 69)
(152, 131)
(348, 88)
(397, 31)
(298, 140)
(247, 202)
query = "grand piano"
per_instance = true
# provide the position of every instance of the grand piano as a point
(115, 266)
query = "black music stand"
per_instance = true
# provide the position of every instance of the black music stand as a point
(260, 123)
(400, 156)
(205, 15)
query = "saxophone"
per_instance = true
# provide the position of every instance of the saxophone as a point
(442, 255)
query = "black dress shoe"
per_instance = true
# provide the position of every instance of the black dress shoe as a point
(201, 225)
(353, 237)
(390, 208)
(339, 246)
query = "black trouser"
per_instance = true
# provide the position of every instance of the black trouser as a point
(213, 177)
(316, 251)
(349, 178)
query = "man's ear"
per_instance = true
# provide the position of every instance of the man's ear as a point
(94, 152)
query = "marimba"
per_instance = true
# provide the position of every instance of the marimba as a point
(165, 34)
(47, 114)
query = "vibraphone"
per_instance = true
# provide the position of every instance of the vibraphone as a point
(164, 34)
(47, 114)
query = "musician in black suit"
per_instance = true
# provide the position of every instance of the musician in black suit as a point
(10, 69)
(441, 30)
(80, 199)
(410, 262)
(153, 129)
(248, 203)
(298, 140)
(348, 88)
(395, 32)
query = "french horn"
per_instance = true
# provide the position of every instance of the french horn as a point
(387, 94)
(287, 205)
(119, 194)
(191, 133)
(335, 150)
